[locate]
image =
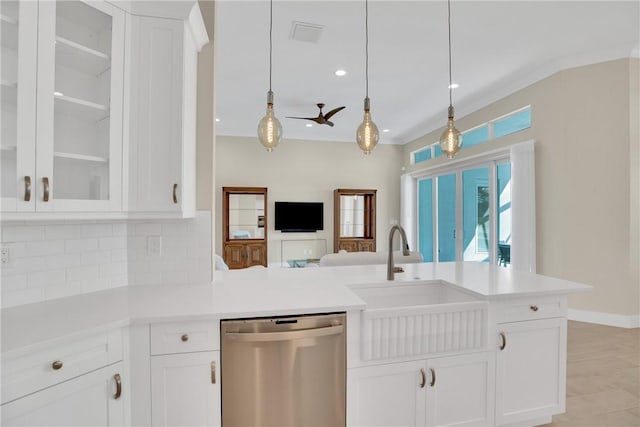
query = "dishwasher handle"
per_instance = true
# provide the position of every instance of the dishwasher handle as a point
(285, 335)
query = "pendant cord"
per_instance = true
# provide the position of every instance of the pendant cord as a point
(450, 80)
(366, 46)
(270, 40)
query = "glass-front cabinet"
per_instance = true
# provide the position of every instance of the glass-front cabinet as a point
(244, 226)
(65, 64)
(354, 220)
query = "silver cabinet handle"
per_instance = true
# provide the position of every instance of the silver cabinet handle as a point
(286, 335)
(504, 341)
(184, 338)
(433, 377)
(45, 183)
(118, 380)
(423, 378)
(175, 193)
(213, 372)
(27, 188)
(56, 365)
(534, 308)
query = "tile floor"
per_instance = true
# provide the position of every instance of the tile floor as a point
(603, 377)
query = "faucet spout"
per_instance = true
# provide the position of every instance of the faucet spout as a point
(405, 249)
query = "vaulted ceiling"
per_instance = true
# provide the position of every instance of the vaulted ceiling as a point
(498, 47)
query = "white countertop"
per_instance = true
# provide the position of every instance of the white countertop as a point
(254, 292)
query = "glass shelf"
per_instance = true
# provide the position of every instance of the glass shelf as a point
(80, 108)
(74, 156)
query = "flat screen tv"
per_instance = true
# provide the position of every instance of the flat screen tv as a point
(299, 216)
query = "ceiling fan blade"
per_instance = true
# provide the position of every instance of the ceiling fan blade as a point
(315, 119)
(332, 112)
(327, 122)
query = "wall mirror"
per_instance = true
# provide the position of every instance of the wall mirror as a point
(354, 221)
(244, 226)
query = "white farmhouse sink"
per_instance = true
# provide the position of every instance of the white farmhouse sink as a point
(421, 294)
(420, 319)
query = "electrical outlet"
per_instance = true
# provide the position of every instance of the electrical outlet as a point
(154, 245)
(5, 255)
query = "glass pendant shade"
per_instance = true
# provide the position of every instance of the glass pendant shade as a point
(451, 139)
(269, 128)
(367, 134)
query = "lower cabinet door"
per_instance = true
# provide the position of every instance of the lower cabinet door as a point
(386, 395)
(93, 399)
(185, 389)
(461, 390)
(531, 366)
(256, 254)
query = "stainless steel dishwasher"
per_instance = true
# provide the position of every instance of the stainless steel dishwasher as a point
(285, 371)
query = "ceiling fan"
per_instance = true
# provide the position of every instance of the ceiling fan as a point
(322, 119)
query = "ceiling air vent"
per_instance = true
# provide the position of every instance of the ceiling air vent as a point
(305, 32)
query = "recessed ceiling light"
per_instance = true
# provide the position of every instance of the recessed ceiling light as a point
(454, 86)
(385, 130)
(217, 119)
(309, 125)
(340, 73)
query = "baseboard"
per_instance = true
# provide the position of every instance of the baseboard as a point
(609, 319)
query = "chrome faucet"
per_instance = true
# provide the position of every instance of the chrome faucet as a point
(391, 269)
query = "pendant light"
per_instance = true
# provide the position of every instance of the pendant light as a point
(451, 140)
(269, 128)
(367, 134)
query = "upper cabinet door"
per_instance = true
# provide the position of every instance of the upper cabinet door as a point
(155, 118)
(79, 107)
(19, 24)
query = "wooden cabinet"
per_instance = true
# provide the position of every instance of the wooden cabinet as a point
(354, 220)
(531, 370)
(185, 389)
(62, 146)
(70, 382)
(454, 390)
(160, 112)
(244, 226)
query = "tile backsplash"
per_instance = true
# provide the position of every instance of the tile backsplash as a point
(53, 260)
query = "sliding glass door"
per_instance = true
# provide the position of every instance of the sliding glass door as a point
(466, 215)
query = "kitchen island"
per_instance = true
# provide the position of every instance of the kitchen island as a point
(498, 349)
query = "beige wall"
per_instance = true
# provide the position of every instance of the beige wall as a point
(585, 124)
(308, 171)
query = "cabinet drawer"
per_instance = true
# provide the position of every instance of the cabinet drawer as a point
(25, 372)
(531, 309)
(185, 337)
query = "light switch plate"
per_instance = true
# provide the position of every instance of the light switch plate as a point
(5, 255)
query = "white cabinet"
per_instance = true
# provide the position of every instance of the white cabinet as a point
(531, 370)
(185, 374)
(93, 399)
(160, 113)
(64, 73)
(386, 395)
(185, 389)
(69, 382)
(447, 391)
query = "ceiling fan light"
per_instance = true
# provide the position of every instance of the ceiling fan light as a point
(367, 134)
(269, 127)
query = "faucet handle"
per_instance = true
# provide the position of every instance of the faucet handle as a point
(397, 269)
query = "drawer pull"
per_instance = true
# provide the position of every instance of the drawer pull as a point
(184, 338)
(45, 183)
(118, 380)
(213, 372)
(534, 308)
(504, 341)
(27, 188)
(433, 377)
(423, 378)
(175, 193)
(57, 365)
